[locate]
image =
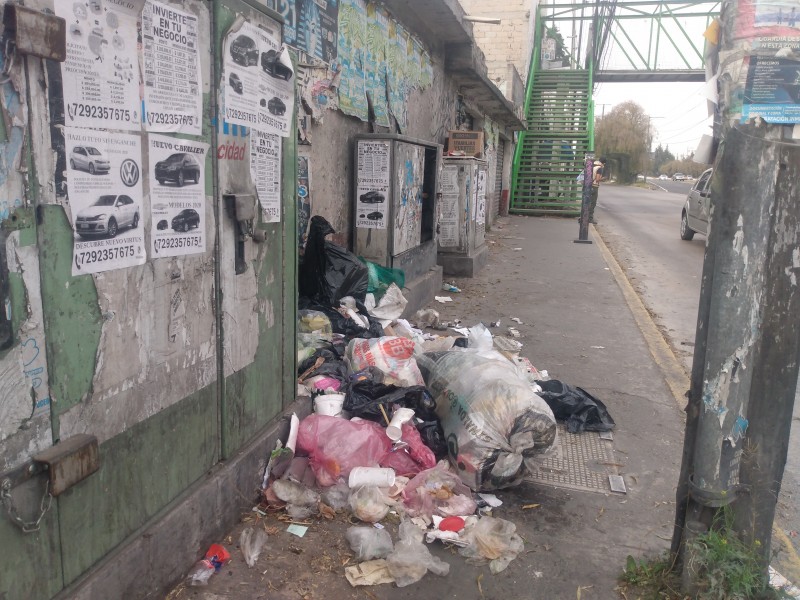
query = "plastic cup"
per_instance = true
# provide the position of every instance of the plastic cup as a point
(372, 476)
(400, 416)
(329, 404)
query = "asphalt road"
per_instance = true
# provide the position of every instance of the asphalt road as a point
(640, 227)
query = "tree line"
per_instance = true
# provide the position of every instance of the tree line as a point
(624, 137)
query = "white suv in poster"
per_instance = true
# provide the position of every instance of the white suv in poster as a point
(108, 216)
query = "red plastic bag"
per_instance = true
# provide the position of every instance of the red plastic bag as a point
(337, 445)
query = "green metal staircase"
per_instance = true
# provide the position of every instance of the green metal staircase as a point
(551, 153)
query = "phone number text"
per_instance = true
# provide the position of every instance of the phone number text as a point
(86, 257)
(192, 241)
(92, 111)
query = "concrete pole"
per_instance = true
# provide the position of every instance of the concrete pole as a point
(748, 338)
(583, 228)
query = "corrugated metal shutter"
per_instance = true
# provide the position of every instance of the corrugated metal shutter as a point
(498, 176)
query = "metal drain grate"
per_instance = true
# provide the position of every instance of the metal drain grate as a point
(581, 463)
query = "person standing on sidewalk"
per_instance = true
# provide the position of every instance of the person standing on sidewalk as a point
(597, 177)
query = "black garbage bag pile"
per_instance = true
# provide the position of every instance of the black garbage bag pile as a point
(576, 406)
(329, 273)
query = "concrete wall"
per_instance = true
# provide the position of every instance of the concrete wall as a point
(507, 43)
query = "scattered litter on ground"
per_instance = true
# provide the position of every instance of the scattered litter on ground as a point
(211, 563)
(598, 347)
(251, 541)
(298, 530)
(514, 332)
(576, 406)
(517, 320)
(449, 287)
(530, 506)
(491, 499)
(443, 299)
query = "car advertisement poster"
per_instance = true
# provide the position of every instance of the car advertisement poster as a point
(172, 91)
(448, 221)
(259, 79)
(372, 185)
(101, 73)
(265, 169)
(104, 187)
(177, 196)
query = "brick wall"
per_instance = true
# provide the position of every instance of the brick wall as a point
(509, 42)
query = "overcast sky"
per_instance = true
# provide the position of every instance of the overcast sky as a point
(678, 110)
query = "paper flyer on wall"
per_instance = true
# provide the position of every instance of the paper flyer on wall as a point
(448, 207)
(265, 169)
(101, 73)
(177, 196)
(259, 79)
(480, 201)
(372, 185)
(104, 187)
(172, 79)
(772, 90)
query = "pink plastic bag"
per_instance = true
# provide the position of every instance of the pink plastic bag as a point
(412, 459)
(337, 445)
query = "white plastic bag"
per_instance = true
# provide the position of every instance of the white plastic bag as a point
(369, 543)
(411, 559)
(368, 504)
(393, 356)
(494, 540)
(391, 306)
(492, 418)
(251, 541)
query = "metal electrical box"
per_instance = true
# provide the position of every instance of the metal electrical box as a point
(394, 204)
(462, 244)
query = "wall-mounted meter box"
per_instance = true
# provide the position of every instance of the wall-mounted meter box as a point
(394, 208)
(462, 223)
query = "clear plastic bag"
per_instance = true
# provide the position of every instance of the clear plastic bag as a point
(437, 491)
(336, 496)
(369, 543)
(301, 502)
(251, 541)
(411, 559)
(394, 356)
(491, 417)
(314, 321)
(494, 540)
(391, 306)
(368, 504)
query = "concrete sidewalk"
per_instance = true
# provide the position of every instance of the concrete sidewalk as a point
(578, 326)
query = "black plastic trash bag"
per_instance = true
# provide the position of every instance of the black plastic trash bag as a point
(364, 398)
(329, 272)
(333, 366)
(576, 406)
(345, 325)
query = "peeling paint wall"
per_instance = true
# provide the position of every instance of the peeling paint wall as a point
(24, 389)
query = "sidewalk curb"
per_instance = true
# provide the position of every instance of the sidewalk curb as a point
(673, 372)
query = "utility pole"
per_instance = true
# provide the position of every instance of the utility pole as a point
(747, 347)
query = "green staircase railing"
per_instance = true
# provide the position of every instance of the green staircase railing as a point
(551, 153)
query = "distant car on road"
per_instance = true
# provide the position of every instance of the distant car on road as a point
(89, 158)
(372, 197)
(178, 167)
(107, 216)
(694, 218)
(185, 220)
(679, 177)
(663, 177)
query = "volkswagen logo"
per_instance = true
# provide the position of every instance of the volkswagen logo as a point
(129, 172)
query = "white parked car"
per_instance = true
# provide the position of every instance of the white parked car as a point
(107, 216)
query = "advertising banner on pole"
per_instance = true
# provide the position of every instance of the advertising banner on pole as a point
(104, 187)
(372, 185)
